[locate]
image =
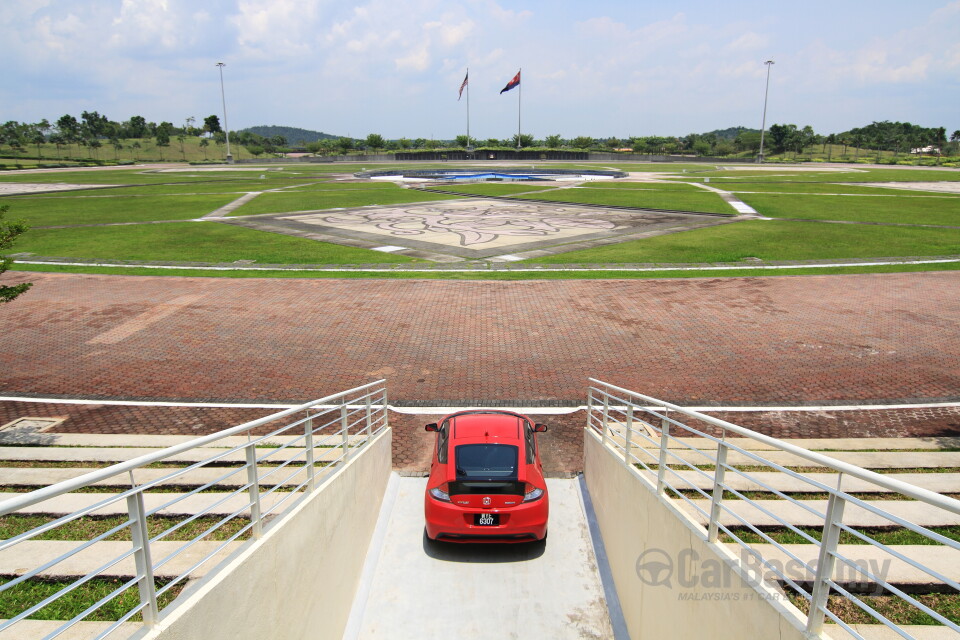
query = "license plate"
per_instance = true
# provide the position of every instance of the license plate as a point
(486, 519)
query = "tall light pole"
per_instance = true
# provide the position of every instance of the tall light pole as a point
(226, 127)
(763, 127)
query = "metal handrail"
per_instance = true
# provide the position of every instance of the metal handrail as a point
(28, 499)
(918, 493)
(613, 414)
(358, 415)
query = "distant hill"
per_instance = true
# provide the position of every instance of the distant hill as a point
(293, 134)
(731, 133)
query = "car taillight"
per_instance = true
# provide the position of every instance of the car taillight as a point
(441, 493)
(531, 493)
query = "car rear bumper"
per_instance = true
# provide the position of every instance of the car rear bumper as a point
(453, 523)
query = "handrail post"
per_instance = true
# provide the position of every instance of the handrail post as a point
(826, 561)
(386, 409)
(629, 433)
(141, 556)
(605, 420)
(310, 461)
(590, 408)
(344, 429)
(664, 445)
(713, 529)
(253, 479)
(369, 407)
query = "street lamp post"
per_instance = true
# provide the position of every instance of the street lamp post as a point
(763, 127)
(226, 127)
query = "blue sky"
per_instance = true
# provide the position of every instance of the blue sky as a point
(601, 68)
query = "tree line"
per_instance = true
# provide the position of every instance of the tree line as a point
(92, 131)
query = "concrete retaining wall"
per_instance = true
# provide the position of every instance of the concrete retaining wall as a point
(299, 580)
(671, 582)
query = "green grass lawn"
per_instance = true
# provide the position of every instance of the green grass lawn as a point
(326, 184)
(30, 592)
(771, 240)
(398, 274)
(218, 186)
(784, 174)
(192, 242)
(310, 200)
(39, 211)
(659, 167)
(643, 186)
(101, 176)
(940, 211)
(494, 189)
(674, 200)
(820, 187)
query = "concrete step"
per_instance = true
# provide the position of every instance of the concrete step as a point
(190, 505)
(875, 560)
(795, 513)
(868, 460)
(30, 554)
(939, 482)
(835, 444)
(880, 632)
(34, 438)
(33, 629)
(44, 476)
(111, 455)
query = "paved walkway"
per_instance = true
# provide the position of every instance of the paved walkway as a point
(740, 341)
(775, 341)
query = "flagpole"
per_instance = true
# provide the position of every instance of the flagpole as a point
(519, 100)
(469, 146)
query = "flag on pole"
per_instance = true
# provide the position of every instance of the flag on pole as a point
(466, 79)
(513, 83)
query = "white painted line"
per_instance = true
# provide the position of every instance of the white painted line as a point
(532, 270)
(389, 249)
(742, 207)
(452, 409)
(546, 411)
(508, 258)
(149, 403)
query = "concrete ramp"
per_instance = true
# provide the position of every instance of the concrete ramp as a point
(415, 589)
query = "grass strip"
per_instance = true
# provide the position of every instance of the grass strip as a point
(900, 210)
(827, 189)
(883, 535)
(88, 527)
(895, 609)
(770, 240)
(28, 593)
(355, 271)
(704, 201)
(318, 200)
(642, 186)
(193, 241)
(48, 211)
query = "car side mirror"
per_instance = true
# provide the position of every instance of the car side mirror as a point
(432, 427)
(540, 428)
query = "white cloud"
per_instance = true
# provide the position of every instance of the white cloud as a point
(749, 41)
(417, 60)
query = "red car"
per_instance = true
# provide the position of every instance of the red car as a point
(486, 479)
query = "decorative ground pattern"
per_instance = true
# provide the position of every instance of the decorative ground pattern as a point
(477, 228)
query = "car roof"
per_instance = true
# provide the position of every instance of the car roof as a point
(485, 426)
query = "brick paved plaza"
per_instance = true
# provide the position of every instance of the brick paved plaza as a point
(770, 341)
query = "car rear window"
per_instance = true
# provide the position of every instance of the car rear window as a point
(486, 461)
